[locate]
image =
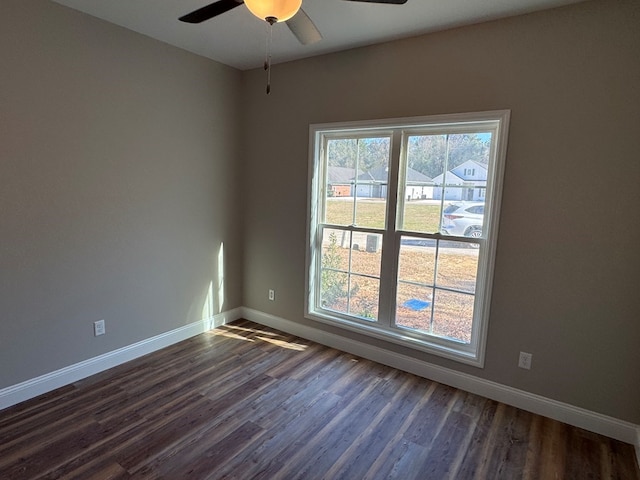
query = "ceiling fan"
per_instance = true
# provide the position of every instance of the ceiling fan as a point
(273, 11)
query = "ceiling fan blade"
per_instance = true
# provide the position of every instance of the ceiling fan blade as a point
(303, 28)
(390, 2)
(210, 11)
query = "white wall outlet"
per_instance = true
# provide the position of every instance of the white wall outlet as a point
(272, 294)
(525, 360)
(98, 328)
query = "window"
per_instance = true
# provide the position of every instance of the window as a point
(415, 270)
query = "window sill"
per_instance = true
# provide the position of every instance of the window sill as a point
(439, 347)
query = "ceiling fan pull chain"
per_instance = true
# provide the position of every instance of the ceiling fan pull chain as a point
(269, 77)
(267, 61)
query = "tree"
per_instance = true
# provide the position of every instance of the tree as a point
(334, 284)
(368, 153)
(426, 153)
(432, 154)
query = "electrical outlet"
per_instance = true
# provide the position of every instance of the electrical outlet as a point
(98, 328)
(272, 294)
(525, 360)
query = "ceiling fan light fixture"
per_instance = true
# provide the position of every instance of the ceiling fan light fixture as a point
(280, 10)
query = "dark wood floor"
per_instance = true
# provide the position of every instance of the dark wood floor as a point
(248, 402)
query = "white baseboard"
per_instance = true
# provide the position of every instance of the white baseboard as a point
(45, 383)
(579, 417)
(576, 416)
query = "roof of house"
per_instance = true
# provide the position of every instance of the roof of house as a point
(346, 175)
(452, 179)
(340, 174)
(460, 170)
(414, 176)
(380, 174)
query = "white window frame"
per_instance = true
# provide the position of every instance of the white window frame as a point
(497, 122)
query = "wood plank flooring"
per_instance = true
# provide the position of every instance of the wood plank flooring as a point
(247, 402)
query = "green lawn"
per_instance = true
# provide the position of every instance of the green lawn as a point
(418, 217)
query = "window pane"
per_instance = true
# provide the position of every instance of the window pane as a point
(334, 268)
(341, 173)
(339, 211)
(426, 155)
(370, 212)
(413, 306)
(333, 290)
(457, 266)
(357, 181)
(451, 169)
(453, 315)
(417, 260)
(335, 249)
(463, 219)
(364, 297)
(464, 169)
(366, 253)
(421, 216)
(344, 256)
(372, 182)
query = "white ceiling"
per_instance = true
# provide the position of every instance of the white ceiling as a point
(238, 39)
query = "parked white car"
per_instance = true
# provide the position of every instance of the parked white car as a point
(463, 219)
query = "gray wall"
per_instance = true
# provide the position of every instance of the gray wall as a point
(118, 162)
(568, 263)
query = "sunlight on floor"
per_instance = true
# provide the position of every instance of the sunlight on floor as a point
(284, 344)
(273, 338)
